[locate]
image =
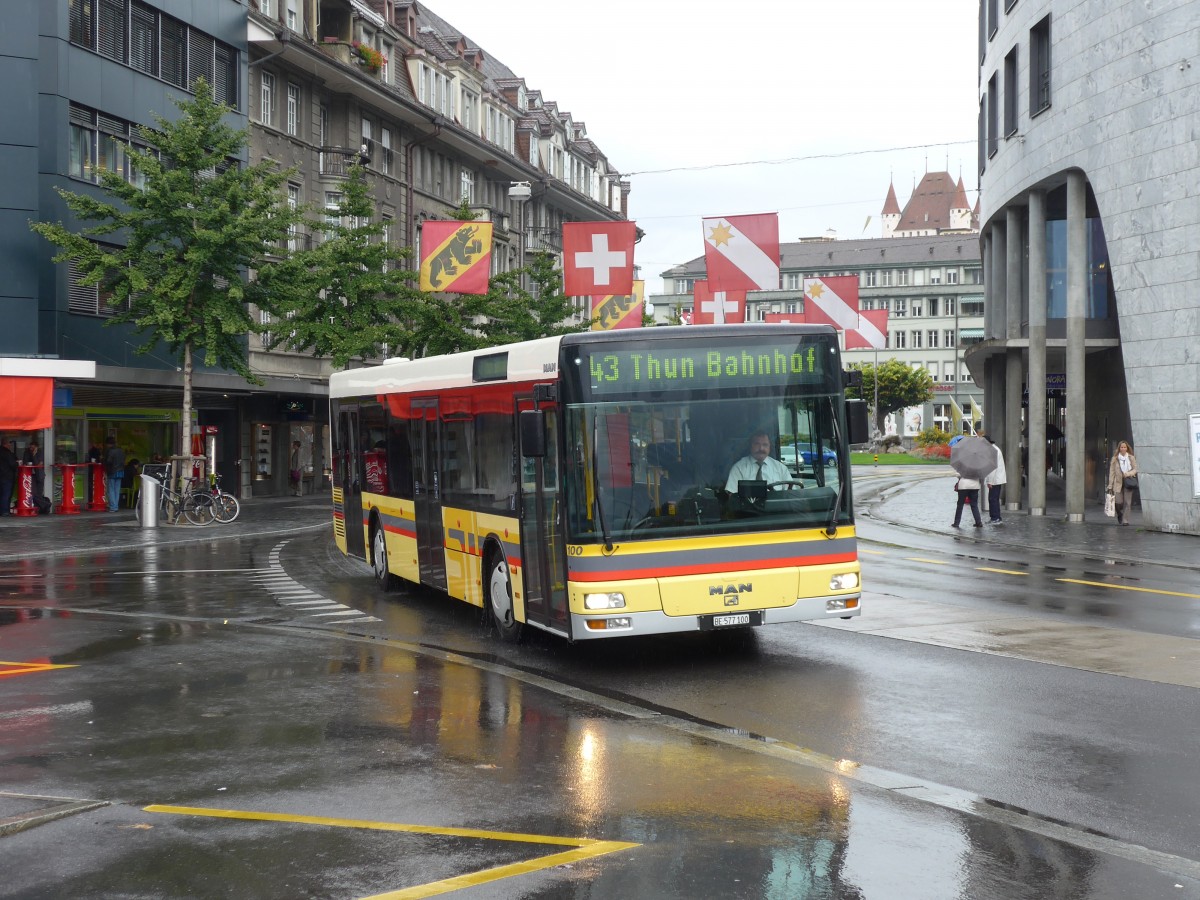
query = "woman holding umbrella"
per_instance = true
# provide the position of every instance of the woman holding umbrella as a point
(973, 458)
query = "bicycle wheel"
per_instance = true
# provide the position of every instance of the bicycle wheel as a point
(198, 509)
(226, 508)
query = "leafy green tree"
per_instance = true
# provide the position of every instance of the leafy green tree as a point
(900, 386)
(349, 295)
(193, 227)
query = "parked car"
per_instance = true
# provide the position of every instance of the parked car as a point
(807, 453)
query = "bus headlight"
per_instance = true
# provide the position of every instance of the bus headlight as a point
(846, 581)
(611, 600)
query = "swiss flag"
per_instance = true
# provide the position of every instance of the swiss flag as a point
(717, 307)
(784, 318)
(741, 253)
(598, 258)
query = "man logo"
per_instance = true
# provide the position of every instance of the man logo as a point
(728, 590)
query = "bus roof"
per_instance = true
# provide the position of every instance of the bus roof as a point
(527, 361)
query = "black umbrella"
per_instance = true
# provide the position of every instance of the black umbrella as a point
(1053, 432)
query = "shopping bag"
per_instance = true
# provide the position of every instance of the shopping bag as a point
(1110, 504)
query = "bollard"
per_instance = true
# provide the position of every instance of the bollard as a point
(148, 500)
(876, 459)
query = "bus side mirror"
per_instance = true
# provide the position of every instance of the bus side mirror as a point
(856, 422)
(533, 432)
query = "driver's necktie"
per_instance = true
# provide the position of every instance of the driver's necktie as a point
(759, 477)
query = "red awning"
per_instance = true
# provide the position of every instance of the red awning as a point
(26, 404)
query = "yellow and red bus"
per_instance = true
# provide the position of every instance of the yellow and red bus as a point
(582, 485)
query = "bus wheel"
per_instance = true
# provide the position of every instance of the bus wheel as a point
(500, 600)
(379, 559)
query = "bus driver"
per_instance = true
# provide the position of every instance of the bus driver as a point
(759, 465)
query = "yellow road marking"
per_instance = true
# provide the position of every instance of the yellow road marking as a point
(598, 848)
(935, 562)
(999, 571)
(26, 668)
(586, 848)
(1127, 587)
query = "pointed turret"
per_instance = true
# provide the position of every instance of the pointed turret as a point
(891, 211)
(960, 208)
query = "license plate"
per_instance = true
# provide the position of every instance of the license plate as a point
(725, 621)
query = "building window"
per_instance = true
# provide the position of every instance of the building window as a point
(1039, 66)
(917, 306)
(902, 278)
(952, 276)
(935, 276)
(948, 336)
(82, 23)
(143, 39)
(266, 106)
(981, 133)
(916, 340)
(89, 299)
(385, 155)
(933, 338)
(293, 109)
(112, 26)
(266, 7)
(467, 186)
(898, 339)
(899, 307)
(950, 306)
(870, 278)
(1010, 93)
(932, 304)
(293, 21)
(886, 278)
(174, 52)
(974, 276)
(993, 117)
(293, 202)
(993, 18)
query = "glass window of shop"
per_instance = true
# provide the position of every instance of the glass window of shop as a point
(79, 437)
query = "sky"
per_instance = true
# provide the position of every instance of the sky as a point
(799, 107)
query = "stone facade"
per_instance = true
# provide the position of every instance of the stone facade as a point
(1097, 132)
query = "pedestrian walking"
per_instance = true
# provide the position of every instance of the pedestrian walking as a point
(114, 470)
(1123, 480)
(968, 494)
(995, 482)
(8, 476)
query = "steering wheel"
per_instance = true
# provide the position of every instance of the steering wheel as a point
(790, 485)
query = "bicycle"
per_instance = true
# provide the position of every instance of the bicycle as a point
(225, 506)
(195, 506)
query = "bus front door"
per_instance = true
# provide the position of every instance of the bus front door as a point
(347, 475)
(427, 493)
(542, 550)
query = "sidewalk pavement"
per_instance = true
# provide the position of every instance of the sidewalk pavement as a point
(28, 537)
(927, 504)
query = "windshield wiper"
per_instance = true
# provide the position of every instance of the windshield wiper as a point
(597, 504)
(843, 467)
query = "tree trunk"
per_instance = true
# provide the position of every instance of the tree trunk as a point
(185, 418)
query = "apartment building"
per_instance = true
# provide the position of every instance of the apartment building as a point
(320, 84)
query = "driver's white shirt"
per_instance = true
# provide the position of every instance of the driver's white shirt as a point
(746, 469)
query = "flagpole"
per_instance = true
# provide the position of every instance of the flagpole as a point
(876, 381)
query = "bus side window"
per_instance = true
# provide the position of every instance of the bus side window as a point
(399, 460)
(494, 438)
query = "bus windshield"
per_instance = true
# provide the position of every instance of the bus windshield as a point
(666, 467)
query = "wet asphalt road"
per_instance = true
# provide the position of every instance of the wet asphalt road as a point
(803, 761)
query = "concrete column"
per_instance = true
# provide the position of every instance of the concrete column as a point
(994, 312)
(1076, 334)
(1035, 418)
(1008, 435)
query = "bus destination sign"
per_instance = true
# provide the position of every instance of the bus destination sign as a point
(647, 368)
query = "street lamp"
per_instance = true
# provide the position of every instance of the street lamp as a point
(521, 192)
